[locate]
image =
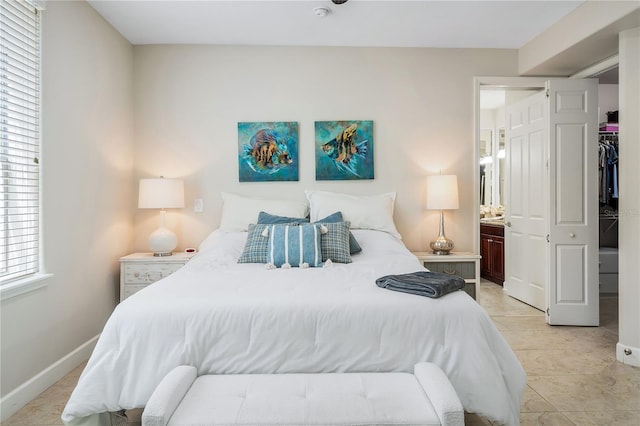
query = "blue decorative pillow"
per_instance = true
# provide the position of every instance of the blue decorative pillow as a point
(354, 247)
(257, 246)
(267, 218)
(294, 245)
(334, 242)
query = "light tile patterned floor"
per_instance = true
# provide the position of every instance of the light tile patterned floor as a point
(573, 375)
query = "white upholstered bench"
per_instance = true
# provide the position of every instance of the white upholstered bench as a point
(423, 398)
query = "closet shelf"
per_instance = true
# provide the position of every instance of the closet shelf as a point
(609, 127)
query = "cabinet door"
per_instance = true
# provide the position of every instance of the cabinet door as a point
(497, 259)
(485, 252)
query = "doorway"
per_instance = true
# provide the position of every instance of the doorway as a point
(568, 297)
(492, 158)
(494, 98)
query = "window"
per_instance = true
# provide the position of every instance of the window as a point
(19, 139)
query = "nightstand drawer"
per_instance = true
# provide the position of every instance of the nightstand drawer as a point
(138, 270)
(132, 289)
(462, 264)
(147, 273)
(465, 270)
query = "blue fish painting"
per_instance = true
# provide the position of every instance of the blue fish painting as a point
(344, 150)
(267, 151)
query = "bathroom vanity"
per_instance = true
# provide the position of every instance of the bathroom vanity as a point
(492, 251)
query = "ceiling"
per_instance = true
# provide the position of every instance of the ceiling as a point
(393, 23)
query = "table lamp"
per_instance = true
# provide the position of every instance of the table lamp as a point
(442, 194)
(161, 194)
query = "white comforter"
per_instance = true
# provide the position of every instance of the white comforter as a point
(228, 318)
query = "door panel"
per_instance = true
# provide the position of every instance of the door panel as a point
(570, 155)
(567, 257)
(526, 208)
(573, 296)
(514, 175)
(485, 249)
(537, 178)
(497, 257)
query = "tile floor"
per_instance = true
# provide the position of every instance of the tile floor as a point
(573, 375)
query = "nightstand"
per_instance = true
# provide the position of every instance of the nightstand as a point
(138, 270)
(463, 264)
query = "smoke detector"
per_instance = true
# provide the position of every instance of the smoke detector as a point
(321, 11)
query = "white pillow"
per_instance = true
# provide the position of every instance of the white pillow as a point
(363, 211)
(238, 211)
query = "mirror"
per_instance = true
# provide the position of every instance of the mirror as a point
(501, 173)
(491, 142)
(486, 166)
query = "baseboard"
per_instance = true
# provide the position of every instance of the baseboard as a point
(633, 358)
(23, 394)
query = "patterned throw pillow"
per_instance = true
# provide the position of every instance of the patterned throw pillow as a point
(294, 245)
(354, 247)
(257, 246)
(335, 242)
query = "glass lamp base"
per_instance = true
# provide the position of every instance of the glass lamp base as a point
(163, 254)
(442, 245)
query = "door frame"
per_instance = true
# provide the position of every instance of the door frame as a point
(489, 82)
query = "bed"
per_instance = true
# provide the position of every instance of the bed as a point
(228, 318)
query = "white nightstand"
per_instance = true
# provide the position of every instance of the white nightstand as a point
(138, 270)
(463, 264)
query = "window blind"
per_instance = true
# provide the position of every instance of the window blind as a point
(19, 139)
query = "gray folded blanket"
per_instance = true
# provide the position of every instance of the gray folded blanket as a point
(423, 283)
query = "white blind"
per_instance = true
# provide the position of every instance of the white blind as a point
(19, 138)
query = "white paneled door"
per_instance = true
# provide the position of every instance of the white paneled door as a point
(551, 237)
(526, 203)
(573, 295)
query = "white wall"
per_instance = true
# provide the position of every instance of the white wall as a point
(189, 99)
(607, 100)
(87, 137)
(629, 205)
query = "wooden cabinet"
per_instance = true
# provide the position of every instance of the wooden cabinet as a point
(492, 252)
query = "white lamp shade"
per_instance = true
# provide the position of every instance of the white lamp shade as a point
(442, 192)
(161, 194)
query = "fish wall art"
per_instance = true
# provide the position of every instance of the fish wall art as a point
(344, 150)
(268, 151)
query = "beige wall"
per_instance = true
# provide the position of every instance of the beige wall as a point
(87, 137)
(189, 99)
(587, 35)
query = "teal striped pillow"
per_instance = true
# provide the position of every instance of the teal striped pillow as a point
(294, 245)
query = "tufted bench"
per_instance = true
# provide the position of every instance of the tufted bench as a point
(423, 398)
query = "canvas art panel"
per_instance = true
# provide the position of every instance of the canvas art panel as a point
(268, 151)
(344, 150)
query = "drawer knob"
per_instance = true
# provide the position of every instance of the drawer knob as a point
(136, 274)
(449, 272)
